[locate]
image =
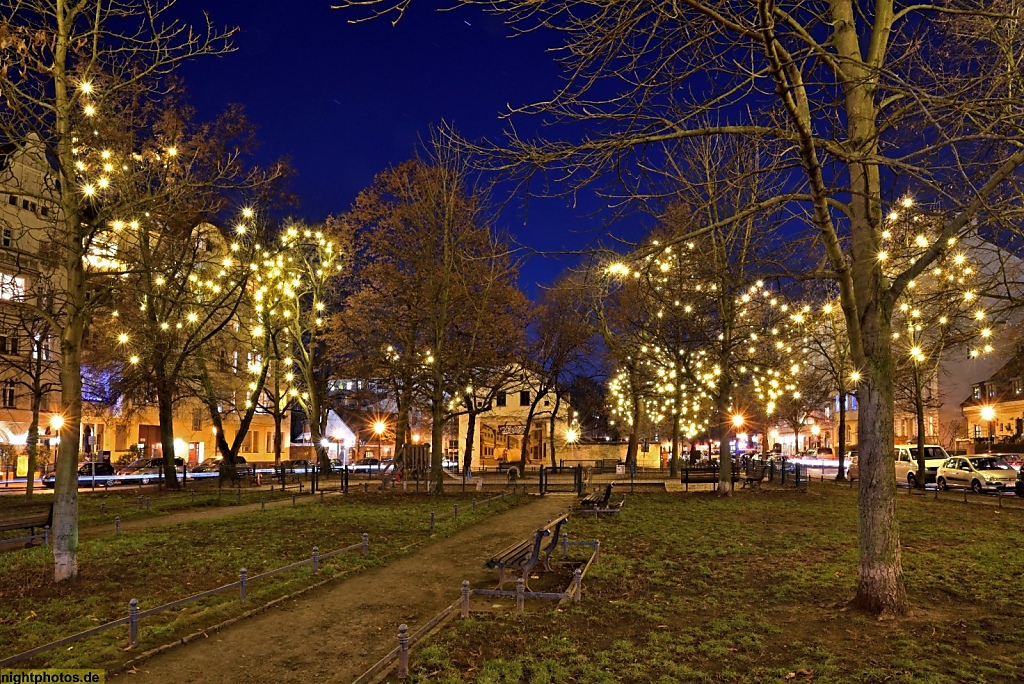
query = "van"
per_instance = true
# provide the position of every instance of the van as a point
(905, 457)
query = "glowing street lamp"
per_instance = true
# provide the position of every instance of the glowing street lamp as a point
(988, 413)
(379, 428)
(738, 420)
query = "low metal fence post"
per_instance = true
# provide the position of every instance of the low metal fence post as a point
(117, 525)
(46, 532)
(565, 545)
(597, 549)
(403, 651)
(465, 598)
(293, 500)
(193, 493)
(133, 623)
(263, 503)
(520, 598)
(147, 504)
(474, 503)
(456, 514)
(321, 496)
(316, 559)
(241, 584)
(366, 543)
(238, 494)
(431, 522)
(577, 585)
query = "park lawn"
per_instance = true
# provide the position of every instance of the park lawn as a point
(753, 588)
(101, 506)
(161, 564)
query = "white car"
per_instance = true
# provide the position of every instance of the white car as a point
(905, 458)
(981, 473)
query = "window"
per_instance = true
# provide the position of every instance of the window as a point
(44, 211)
(977, 432)
(11, 287)
(991, 389)
(524, 398)
(8, 237)
(40, 347)
(1018, 386)
(977, 391)
(7, 394)
(25, 204)
(12, 200)
(197, 420)
(499, 399)
(9, 344)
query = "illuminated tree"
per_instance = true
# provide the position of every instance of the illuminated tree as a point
(68, 68)
(860, 100)
(311, 265)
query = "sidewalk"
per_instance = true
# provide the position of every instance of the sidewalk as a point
(337, 632)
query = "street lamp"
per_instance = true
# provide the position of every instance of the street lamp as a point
(379, 428)
(989, 413)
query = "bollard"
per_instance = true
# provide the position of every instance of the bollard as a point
(263, 503)
(321, 496)
(366, 487)
(999, 494)
(241, 583)
(133, 623)
(431, 522)
(293, 500)
(117, 525)
(366, 543)
(147, 504)
(403, 651)
(565, 545)
(46, 533)
(520, 599)
(577, 585)
(597, 549)
(238, 499)
(456, 515)
(465, 598)
(316, 559)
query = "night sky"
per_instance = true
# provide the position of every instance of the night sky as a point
(345, 101)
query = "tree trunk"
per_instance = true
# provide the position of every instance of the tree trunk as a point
(551, 431)
(724, 424)
(278, 417)
(673, 464)
(919, 411)
(634, 434)
(841, 442)
(65, 495)
(437, 438)
(165, 408)
(524, 445)
(880, 587)
(32, 439)
(467, 459)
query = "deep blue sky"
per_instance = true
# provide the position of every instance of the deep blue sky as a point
(344, 101)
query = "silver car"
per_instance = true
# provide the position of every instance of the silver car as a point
(979, 473)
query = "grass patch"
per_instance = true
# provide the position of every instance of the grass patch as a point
(161, 564)
(753, 588)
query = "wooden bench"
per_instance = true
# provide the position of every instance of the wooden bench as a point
(523, 556)
(755, 475)
(704, 475)
(26, 518)
(596, 499)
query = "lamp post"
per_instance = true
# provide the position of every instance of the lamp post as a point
(379, 428)
(988, 413)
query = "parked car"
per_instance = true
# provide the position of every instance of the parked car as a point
(147, 470)
(980, 473)
(299, 465)
(211, 466)
(88, 474)
(905, 459)
(1019, 484)
(367, 465)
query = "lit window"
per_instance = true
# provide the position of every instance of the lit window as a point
(7, 398)
(11, 287)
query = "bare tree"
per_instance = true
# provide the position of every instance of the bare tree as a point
(864, 98)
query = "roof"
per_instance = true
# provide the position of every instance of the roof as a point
(1012, 369)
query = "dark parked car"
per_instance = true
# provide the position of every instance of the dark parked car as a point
(211, 467)
(100, 472)
(1018, 486)
(147, 470)
(298, 466)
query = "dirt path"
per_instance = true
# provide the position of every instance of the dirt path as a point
(335, 633)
